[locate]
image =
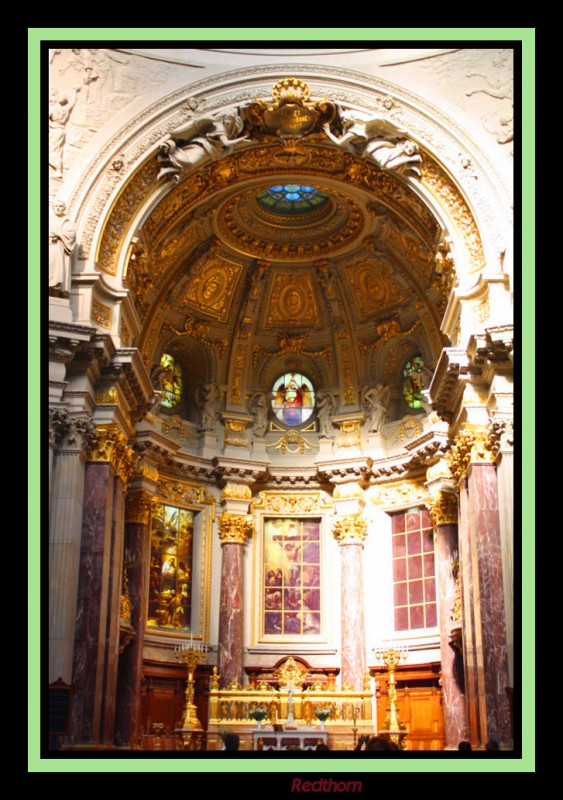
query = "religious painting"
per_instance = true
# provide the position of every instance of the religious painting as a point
(292, 577)
(170, 572)
(293, 398)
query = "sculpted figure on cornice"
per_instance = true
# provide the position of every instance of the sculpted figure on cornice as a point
(60, 108)
(203, 138)
(62, 241)
(259, 408)
(379, 139)
(326, 406)
(208, 399)
(375, 400)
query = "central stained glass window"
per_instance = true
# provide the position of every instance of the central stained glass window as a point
(292, 198)
(293, 398)
(292, 576)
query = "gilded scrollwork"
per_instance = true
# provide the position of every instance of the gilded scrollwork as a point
(473, 445)
(291, 344)
(101, 314)
(184, 493)
(236, 491)
(292, 503)
(350, 529)
(406, 493)
(235, 528)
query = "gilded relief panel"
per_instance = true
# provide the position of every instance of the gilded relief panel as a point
(373, 287)
(292, 301)
(213, 286)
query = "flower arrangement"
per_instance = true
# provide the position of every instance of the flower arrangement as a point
(259, 713)
(322, 713)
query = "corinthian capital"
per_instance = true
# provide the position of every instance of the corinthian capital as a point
(234, 528)
(138, 507)
(68, 431)
(350, 529)
(443, 508)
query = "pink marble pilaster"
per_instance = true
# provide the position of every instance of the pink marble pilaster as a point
(456, 726)
(490, 630)
(231, 614)
(352, 605)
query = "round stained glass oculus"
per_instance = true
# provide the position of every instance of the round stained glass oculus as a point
(292, 198)
(293, 398)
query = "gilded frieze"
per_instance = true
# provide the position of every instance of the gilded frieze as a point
(292, 442)
(213, 286)
(184, 493)
(400, 495)
(101, 314)
(236, 491)
(372, 286)
(281, 502)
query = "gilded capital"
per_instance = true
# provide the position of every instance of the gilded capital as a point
(138, 507)
(110, 445)
(236, 491)
(350, 529)
(473, 445)
(443, 508)
(234, 528)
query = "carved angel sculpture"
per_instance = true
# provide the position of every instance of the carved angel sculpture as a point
(203, 138)
(208, 399)
(375, 400)
(378, 138)
(62, 240)
(325, 407)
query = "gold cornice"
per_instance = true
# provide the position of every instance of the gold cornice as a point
(110, 445)
(350, 529)
(443, 508)
(138, 507)
(235, 528)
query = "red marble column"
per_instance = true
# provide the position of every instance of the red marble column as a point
(490, 625)
(456, 725)
(137, 549)
(350, 531)
(233, 530)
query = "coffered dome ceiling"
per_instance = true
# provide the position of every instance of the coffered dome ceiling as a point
(338, 281)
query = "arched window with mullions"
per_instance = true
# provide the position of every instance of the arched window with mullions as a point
(293, 398)
(172, 382)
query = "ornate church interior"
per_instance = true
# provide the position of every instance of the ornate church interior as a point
(281, 398)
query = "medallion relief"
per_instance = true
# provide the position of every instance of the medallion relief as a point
(212, 288)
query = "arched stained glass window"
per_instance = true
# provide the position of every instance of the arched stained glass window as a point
(414, 381)
(292, 198)
(293, 398)
(172, 382)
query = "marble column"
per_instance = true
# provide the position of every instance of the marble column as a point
(137, 551)
(490, 629)
(350, 530)
(234, 529)
(96, 646)
(70, 436)
(444, 511)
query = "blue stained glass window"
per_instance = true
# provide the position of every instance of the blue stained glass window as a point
(292, 198)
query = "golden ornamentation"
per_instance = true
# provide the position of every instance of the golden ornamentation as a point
(292, 442)
(199, 330)
(290, 674)
(233, 427)
(107, 395)
(101, 314)
(124, 333)
(184, 493)
(350, 529)
(145, 469)
(236, 381)
(396, 355)
(124, 210)
(443, 508)
(401, 495)
(292, 301)
(348, 491)
(234, 528)
(445, 191)
(237, 491)
(349, 390)
(109, 445)
(372, 286)
(212, 288)
(387, 330)
(438, 470)
(173, 426)
(138, 506)
(125, 608)
(291, 344)
(410, 427)
(472, 445)
(295, 503)
(367, 681)
(457, 611)
(350, 433)
(291, 116)
(481, 312)
(215, 680)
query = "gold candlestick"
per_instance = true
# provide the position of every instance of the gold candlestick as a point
(394, 728)
(191, 655)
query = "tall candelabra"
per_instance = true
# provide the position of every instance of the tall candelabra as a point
(392, 657)
(191, 655)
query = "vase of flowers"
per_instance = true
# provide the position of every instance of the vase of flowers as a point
(259, 713)
(322, 715)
